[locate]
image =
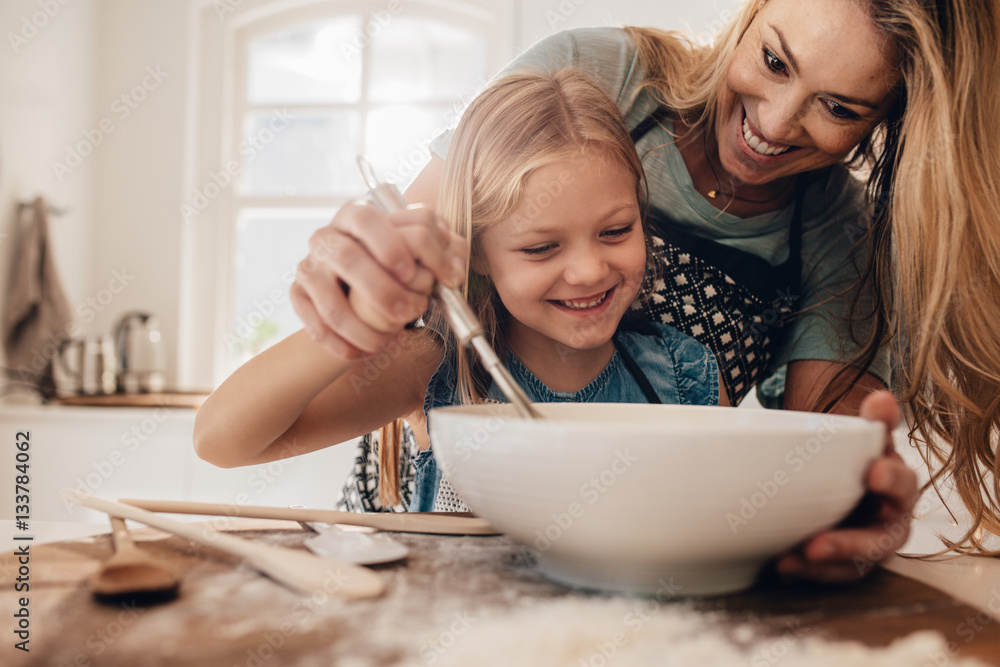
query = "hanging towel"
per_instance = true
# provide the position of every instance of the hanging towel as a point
(36, 315)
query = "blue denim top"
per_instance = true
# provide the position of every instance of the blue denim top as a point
(680, 369)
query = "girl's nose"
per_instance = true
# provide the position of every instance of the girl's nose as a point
(585, 268)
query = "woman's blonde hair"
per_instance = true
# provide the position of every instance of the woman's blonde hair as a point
(519, 123)
(933, 186)
(685, 77)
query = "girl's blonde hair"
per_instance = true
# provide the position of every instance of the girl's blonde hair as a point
(521, 122)
(933, 187)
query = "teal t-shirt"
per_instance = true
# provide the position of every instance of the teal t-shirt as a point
(832, 214)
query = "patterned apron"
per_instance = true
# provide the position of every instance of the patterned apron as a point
(731, 301)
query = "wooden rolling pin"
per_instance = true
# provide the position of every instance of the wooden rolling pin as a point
(403, 522)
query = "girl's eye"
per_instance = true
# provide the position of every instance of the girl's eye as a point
(539, 250)
(773, 62)
(840, 111)
(619, 231)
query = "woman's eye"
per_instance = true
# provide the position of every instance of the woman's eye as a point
(840, 111)
(539, 250)
(773, 62)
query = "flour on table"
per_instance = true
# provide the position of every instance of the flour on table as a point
(615, 632)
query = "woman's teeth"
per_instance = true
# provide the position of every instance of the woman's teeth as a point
(582, 305)
(759, 145)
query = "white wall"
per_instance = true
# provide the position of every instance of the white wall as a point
(63, 94)
(142, 54)
(47, 88)
(124, 197)
(544, 17)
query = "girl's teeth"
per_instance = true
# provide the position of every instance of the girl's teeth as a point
(581, 305)
(760, 146)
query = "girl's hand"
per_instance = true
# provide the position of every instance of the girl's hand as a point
(388, 262)
(878, 527)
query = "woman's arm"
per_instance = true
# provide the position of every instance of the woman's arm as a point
(850, 551)
(296, 397)
(809, 380)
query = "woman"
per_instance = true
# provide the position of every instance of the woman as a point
(745, 144)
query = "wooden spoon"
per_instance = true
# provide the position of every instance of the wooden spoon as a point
(132, 572)
(297, 569)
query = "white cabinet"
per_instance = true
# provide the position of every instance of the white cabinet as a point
(146, 453)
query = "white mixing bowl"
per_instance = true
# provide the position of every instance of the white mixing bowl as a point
(655, 499)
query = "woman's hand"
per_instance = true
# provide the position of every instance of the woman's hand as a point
(878, 527)
(388, 262)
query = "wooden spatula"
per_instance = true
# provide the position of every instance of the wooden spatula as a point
(297, 569)
(133, 573)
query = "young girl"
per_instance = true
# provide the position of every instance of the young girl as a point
(544, 181)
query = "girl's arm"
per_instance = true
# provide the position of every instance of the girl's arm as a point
(317, 388)
(296, 397)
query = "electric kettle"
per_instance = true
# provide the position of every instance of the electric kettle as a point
(141, 357)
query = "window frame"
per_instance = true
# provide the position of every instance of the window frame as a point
(214, 130)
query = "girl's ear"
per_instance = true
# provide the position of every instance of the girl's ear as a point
(477, 263)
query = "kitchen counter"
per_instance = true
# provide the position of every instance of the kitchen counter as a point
(457, 597)
(123, 452)
(172, 399)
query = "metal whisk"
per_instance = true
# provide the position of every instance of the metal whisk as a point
(463, 321)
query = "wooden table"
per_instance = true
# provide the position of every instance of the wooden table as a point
(229, 615)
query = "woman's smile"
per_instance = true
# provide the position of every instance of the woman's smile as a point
(760, 145)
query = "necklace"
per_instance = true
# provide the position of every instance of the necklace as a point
(717, 192)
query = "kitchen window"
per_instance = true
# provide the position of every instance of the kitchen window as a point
(310, 89)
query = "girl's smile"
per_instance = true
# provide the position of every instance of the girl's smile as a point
(587, 306)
